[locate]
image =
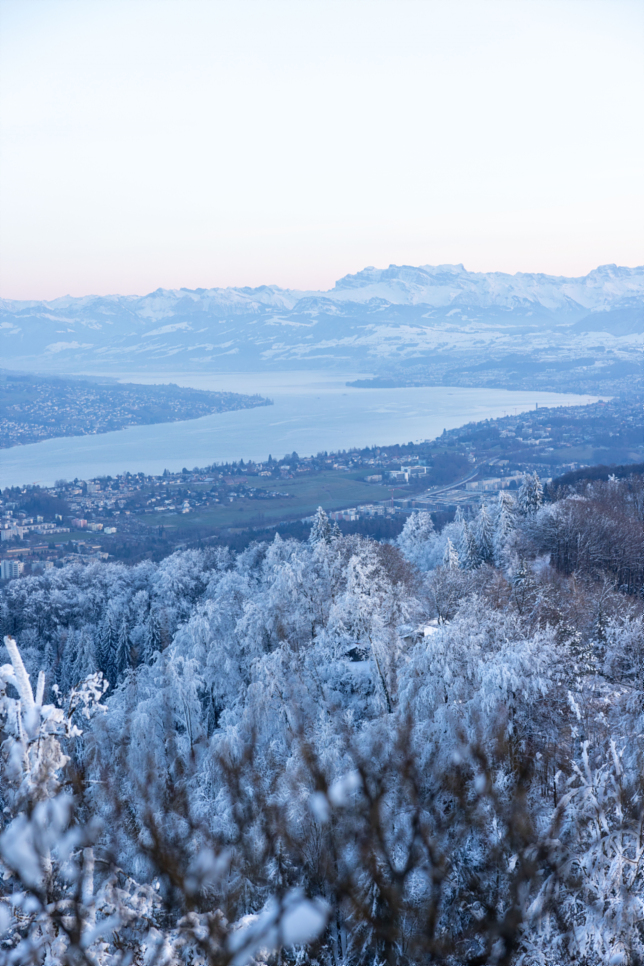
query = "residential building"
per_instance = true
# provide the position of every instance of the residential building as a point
(10, 569)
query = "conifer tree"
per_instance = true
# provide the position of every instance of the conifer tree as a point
(418, 528)
(468, 552)
(84, 659)
(504, 524)
(321, 529)
(484, 535)
(450, 557)
(106, 645)
(153, 638)
(530, 494)
(123, 648)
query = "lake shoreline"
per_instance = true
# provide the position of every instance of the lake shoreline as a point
(307, 417)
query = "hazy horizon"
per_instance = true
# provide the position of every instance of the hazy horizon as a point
(160, 144)
(329, 288)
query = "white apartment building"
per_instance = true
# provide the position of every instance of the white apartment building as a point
(10, 569)
(12, 533)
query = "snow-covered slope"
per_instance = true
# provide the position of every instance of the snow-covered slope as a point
(366, 321)
(453, 285)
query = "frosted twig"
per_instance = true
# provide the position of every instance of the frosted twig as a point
(22, 678)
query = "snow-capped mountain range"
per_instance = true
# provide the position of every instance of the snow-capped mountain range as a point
(366, 322)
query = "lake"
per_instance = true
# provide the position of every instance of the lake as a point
(312, 412)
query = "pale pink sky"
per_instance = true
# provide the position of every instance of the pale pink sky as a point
(148, 143)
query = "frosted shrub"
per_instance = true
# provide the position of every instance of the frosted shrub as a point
(334, 752)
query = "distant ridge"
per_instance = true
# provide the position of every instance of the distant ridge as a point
(600, 473)
(369, 321)
(437, 285)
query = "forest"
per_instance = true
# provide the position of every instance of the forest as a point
(335, 751)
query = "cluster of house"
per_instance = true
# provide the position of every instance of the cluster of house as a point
(495, 483)
(406, 473)
(364, 510)
(79, 523)
(16, 529)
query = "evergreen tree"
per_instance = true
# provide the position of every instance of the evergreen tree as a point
(50, 664)
(82, 656)
(504, 524)
(468, 552)
(450, 557)
(523, 588)
(418, 529)
(321, 529)
(122, 657)
(484, 535)
(5, 619)
(106, 646)
(418, 538)
(153, 640)
(294, 683)
(530, 494)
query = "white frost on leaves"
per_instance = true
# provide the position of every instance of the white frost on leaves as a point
(342, 789)
(334, 640)
(293, 921)
(20, 676)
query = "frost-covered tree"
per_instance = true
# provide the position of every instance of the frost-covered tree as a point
(55, 905)
(484, 535)
(530, 496)
(447, 756)
(123, 654)
(468, 551)
(417, 538)
(107, 641)
(79, 658)
(321, 527)
(152, 636)
(504, 525)
(47, 861)
(360, 616)
(450, 557)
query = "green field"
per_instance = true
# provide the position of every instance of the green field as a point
(331, 490)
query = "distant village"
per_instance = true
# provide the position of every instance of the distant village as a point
(34, 408)
(118, 518)
(104, 507)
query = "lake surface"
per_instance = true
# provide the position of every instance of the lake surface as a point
(312, 412)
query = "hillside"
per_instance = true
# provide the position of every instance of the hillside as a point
(34, 408)
(434, 746)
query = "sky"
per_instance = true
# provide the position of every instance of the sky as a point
(170, 143)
